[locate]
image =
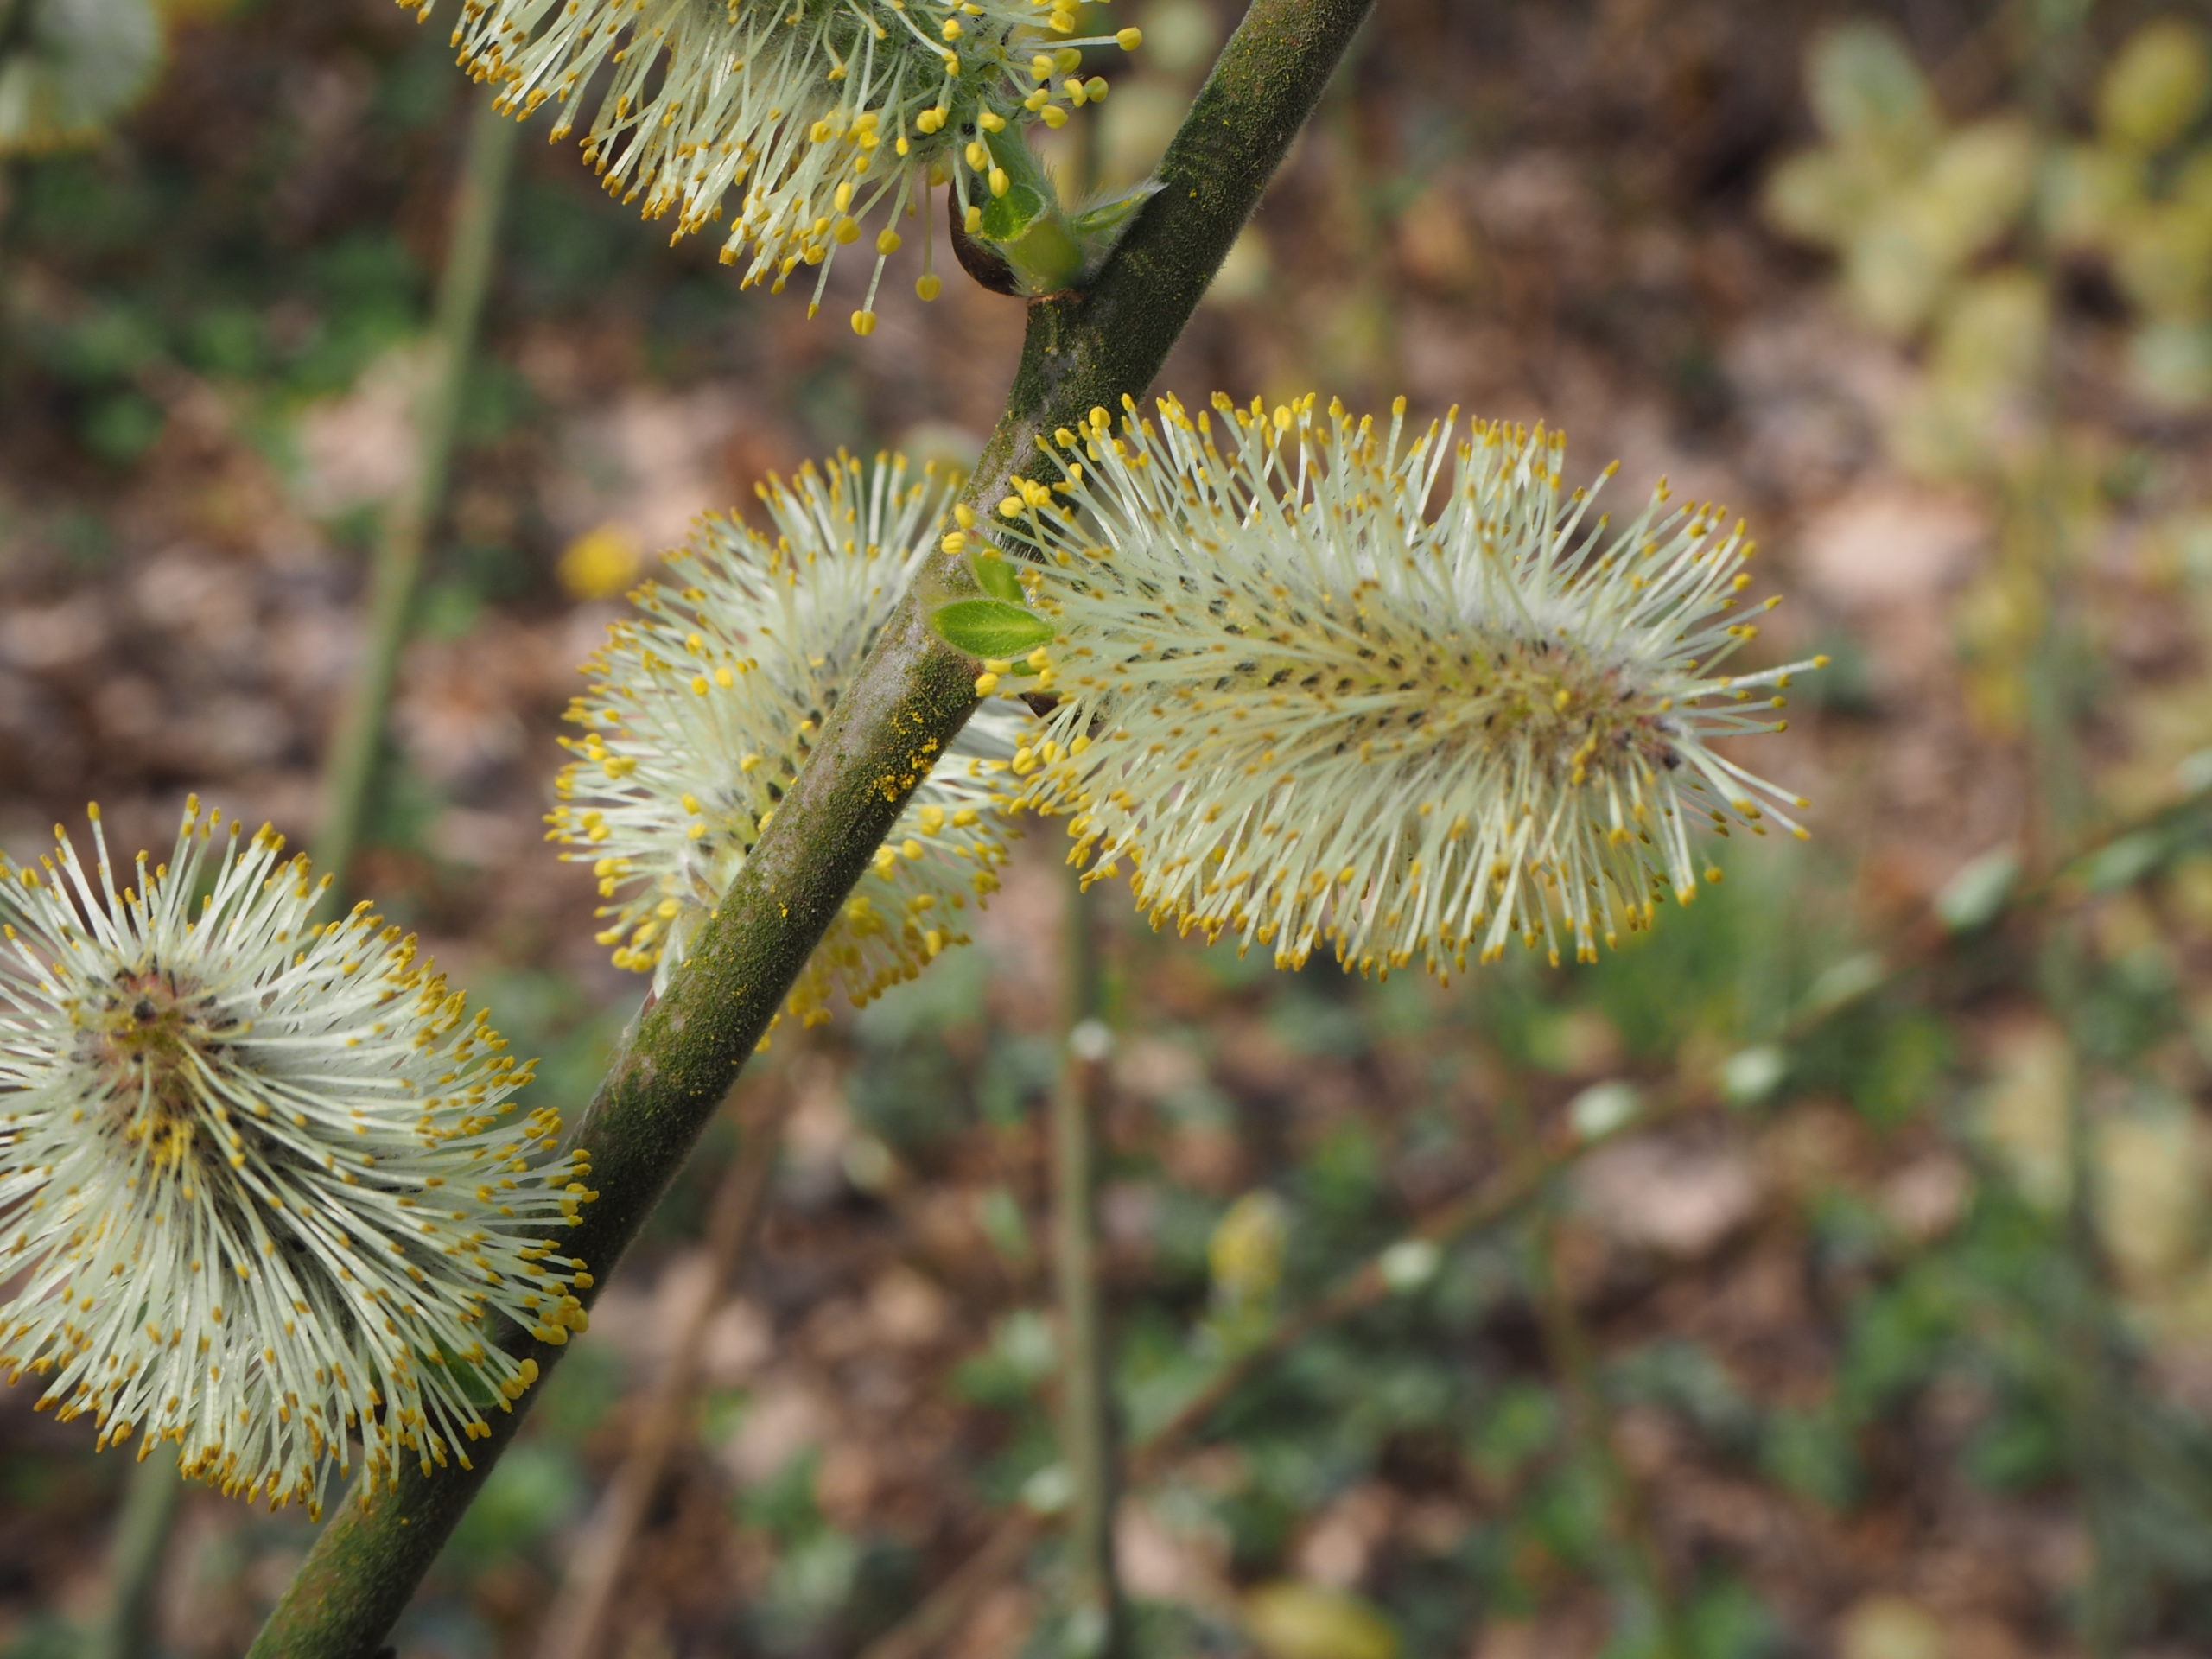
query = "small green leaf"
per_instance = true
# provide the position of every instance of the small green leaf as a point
(990, 627)
(2124, 862)
(1046, 257)
(1101, 222)
(998, 578)
(1007, 216)
(1972, 898)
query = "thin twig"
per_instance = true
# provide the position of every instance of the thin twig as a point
(1086, 1391)
(1567, 1345)
(125, 1629)
(351, 777)
(940, 1612)
(575, 1627)
(1927, 937)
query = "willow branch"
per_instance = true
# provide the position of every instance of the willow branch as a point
(909, 700)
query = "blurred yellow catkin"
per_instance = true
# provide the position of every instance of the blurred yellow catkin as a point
(1294, 1620)
(601, 564)
(1247, 1248)
(2156, 86)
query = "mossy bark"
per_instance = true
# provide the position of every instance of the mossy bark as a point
(909, 700)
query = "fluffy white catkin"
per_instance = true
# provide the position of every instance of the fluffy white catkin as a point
(1319, 685)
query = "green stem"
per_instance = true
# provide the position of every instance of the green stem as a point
(2041, 532)
(351, 777)
(908, 701)
(1086, 1397)
(125, 1626)
(2086, 1372)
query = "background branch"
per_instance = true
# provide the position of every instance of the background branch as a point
(576, 1628)
(1087, 1407)
(124, 1627)
(488, 163)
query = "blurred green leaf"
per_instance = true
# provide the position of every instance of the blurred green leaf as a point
(532, 1492)
(1810, 1453)
(1974, 897)
(122, 427)
(1866, 89)
(1728, 1620)
(1897, 1080)
(1521, 1423)
(1603, 1108)
(1750, 1075)
(2016, 1447)
(783, 1505)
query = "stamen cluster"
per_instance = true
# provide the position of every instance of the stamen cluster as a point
(261, 1181)
(828, 116)
(705, 705)
(1316, 689)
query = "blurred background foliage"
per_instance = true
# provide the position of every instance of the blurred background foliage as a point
(1829, 1273)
